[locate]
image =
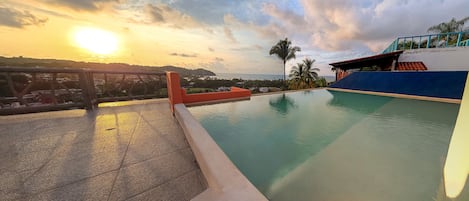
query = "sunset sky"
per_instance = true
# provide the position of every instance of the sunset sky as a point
(219, 35)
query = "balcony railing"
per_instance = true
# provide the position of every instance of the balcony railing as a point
(443, 40)
(27, 89)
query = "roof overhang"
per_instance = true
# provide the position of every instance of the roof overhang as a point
(379, 60)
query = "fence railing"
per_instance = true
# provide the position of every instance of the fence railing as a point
(28, 89)
(442, 40)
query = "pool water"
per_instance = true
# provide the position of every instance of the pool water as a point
(327, 145)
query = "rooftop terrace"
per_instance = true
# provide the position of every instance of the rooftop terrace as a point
(439, 40)
(121, 151)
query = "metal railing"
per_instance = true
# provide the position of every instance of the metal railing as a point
(442, 40)
(29, 89)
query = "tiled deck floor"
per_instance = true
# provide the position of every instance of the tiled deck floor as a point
(131, 151)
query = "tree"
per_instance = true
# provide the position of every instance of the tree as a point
(321, 82)
(452, 26)
(310, 73)
(285, 52)
(303, 75)
(296, 76)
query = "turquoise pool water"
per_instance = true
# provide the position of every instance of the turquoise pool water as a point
(327, 145)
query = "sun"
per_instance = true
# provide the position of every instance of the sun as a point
(96, 40)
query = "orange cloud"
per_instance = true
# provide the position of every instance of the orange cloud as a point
(15, 18)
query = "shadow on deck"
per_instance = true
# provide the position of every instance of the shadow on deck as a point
(131, 150)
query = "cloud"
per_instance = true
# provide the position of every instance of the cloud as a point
(229, 35)
(270, 30)
(327, 31)
(258, 47)
(347, 25)
(289, 18)
(14, 18)
(211, 12)
(216, 65)
(164, 15)
(156, 13)
(341, 25)
(183, 54)
(25, 5)
(247, 48)
(89, 5)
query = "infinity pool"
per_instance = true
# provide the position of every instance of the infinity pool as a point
(327, 145)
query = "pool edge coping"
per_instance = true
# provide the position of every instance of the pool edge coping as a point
(225, 181)
(211, 102)
(395, 95)
(228, 100)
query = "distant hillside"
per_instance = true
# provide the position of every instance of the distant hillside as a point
(56, 63)
(187, 72)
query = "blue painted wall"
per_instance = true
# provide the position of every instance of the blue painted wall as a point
(449, 84)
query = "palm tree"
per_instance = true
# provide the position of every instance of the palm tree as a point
(296, 76)
(285, 52)
(310, 73)
(452, 26)
(303, 75)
